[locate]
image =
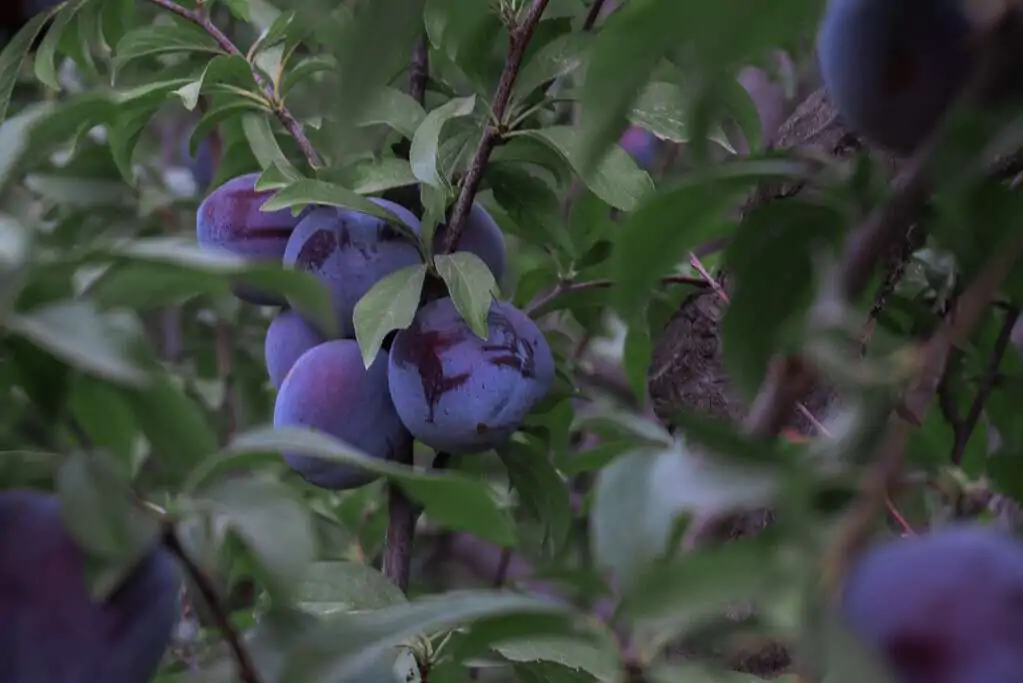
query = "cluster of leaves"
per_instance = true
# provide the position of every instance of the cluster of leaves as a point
(129, 372)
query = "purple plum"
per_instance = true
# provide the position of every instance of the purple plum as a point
(54, 631)
(287, 338)
(461, 394)
(329, 390)
(350, 252)
(230, 219)
(481, 236)
(944, 607)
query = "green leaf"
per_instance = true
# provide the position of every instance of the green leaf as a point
(700, 584)
(598, 657)
(175, 426)
(661, 233)
(639, 497)
(464, 33)
(394, 108)
(637, 355)
(616, 179)
(272, 522)
(560, 57)
(330, 587)
(163, 39)
(471, 285)
(265, 148)
(83, 337)
(44, 67)
(304, 192)
(98, 508)
(16, 140)
(14, 54)
(106, 417)
(390, 304)
(543, 492)
(303, 290)
(449, 498)
(426, 141)
(377, 175)
(778, 241)
(345, 647)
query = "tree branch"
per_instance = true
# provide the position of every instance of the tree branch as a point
(402, 516)
(247, 672)
(854, 529)
(987, 384)
(569, 287)
(419, 72)
(287, 119)
(518, 40)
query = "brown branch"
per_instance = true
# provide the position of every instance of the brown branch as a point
(287, 119)
(854, 529)
(419, 72)
(247, 672)
(402, 515)
(518, 40)
(987, 384)
(569, 287)
(591, 17)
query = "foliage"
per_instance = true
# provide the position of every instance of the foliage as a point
(126, 358)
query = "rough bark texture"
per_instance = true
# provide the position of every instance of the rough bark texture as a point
(686, 370)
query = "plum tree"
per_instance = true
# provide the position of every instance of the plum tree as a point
(946, 607)
(481, 236)
(230, 219)
(462, 394)
(350, 252)
(287, 338)
(329, 390)
(891, 67)
(53, 629)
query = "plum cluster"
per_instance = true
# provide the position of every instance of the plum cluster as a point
(54, 629)
(946, 607)
(892, 67)
(437, 381)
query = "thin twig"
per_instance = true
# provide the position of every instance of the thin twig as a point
(287, 119)
(502, 567)
(402, 516)
(564, 287)
(247, 672)
(855, 527)
(419, 72)
(591, 17)
(987, 384)
(518, 40)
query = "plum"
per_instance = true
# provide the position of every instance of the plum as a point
(892, 67)
(350, 252)
(481, 236)
(54, 632)
(641, 144)
(945, 607)
(461, 394)
(330, 390)
(230, 219)
(287, 338)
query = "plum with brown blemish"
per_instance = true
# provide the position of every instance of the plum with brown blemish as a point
(944, 607)
(231, 219)
(54, 631)
(350, 251)
(459, 393)
(330, 390)
(287, 338)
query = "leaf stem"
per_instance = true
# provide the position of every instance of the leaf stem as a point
(283, 114)
(518, 39)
